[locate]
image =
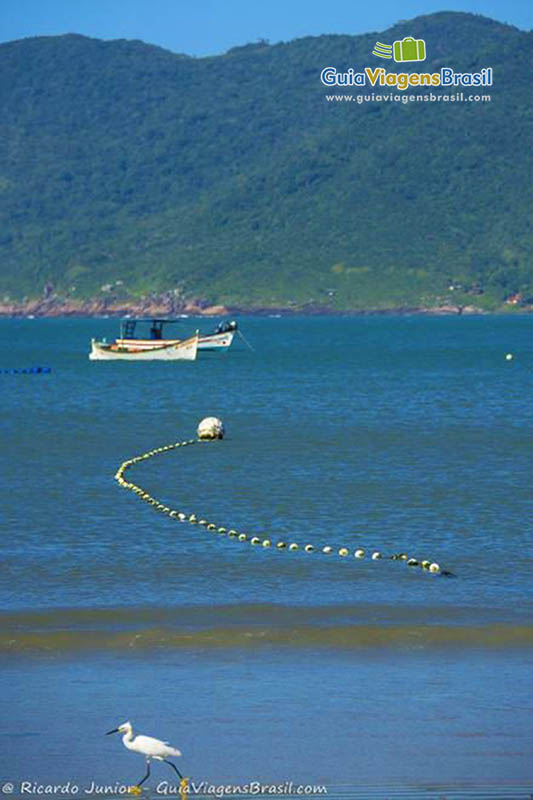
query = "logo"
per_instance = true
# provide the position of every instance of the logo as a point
(407, 49)
(404, 50)
(382, 50)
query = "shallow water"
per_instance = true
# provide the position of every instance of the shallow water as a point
(401, 434)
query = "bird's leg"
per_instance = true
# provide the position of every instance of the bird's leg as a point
(170, 764)
(140, 783)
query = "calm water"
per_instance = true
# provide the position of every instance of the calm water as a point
(399, 434)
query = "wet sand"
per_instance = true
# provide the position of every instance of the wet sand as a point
(406, 717)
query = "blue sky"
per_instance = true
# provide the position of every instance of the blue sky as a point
(206, 27)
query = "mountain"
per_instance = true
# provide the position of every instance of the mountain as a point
(127, 171)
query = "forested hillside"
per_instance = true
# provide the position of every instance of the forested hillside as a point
(127, 170)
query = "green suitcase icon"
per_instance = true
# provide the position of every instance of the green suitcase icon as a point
(409, 49)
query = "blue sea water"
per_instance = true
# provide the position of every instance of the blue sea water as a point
(399, 434)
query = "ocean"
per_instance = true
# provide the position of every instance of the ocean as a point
(398, 434)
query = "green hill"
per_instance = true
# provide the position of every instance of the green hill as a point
(233, 179)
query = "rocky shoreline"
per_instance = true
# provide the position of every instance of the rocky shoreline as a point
(168, 307)
(155, 307)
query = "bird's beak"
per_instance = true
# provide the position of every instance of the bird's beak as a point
(115, 730)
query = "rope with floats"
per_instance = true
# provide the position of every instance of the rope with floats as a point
(26, 371)
(211, 429)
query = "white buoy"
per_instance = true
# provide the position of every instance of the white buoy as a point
(211, 428)
(509, 357)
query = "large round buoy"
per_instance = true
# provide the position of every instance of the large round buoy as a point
(211, 428)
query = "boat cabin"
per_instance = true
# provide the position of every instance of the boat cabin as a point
(128, 327)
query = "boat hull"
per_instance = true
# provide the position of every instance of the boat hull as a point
(216, 342)
(129, 350)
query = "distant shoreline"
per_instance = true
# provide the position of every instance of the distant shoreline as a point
(54, 307)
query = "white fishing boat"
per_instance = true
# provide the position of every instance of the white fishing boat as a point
(220, 339)
(128, 348)
(153, 345)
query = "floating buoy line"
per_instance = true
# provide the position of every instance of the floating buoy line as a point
(211, 429)
(26, 371)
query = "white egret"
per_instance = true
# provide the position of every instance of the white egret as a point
(148, 747)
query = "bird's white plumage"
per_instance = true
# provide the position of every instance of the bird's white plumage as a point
(146, 745)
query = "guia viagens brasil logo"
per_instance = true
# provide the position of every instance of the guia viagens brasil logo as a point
(404, 50)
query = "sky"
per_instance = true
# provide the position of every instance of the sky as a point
(209, 27)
